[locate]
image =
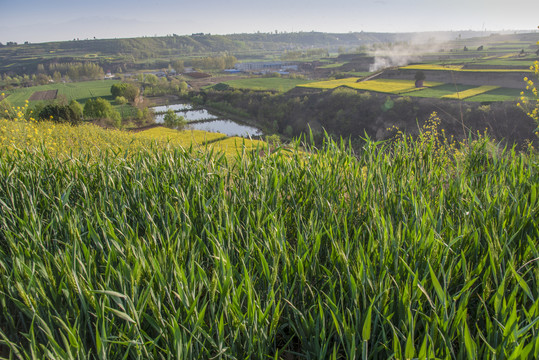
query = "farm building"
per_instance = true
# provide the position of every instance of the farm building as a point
(264, 66)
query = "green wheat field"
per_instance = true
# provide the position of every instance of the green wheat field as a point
(404, 249)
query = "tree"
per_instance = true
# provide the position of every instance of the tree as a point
(173, 120)
(59, 114)
(183, 87)
(127, 90)
(76, 107)
(42, 79)
(230, 61)
(419, 78)
(178, 66)
(56, 77)
(101, 109)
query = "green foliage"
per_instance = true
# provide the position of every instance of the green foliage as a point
(61, 113)
(178, 66)
(173, 120)
(165, 86)
(274, 140)
(146, 115)
(7, 110)
(219, 62)
(530, 103)
(420, 76)
(403, 250)
(120, 100)
(128, 90)
(76, 107)
(101, 109)
(85, 71)
(151, 79)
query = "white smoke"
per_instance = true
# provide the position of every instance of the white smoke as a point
(404, 53)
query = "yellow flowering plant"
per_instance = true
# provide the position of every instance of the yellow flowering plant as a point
(530, 103)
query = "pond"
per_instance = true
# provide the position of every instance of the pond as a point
(227, 127)
(174, 107)
(203, 120)
(190, 115)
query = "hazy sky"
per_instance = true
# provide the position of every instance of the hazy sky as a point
(41, 20)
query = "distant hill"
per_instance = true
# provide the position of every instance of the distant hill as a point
(24, 58)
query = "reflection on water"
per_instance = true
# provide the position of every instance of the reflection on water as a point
(226, 127)
(191, 115)
(174, 107)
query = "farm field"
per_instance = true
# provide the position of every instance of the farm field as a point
(460, 68)
(277, 84)
(80, 91)
(440, 91)
(62, 139)
(330, 84)
(379, 85)
(501, 94)
(390, 86)
(230, 146)
(181, 138)
(120, 246)
(432, 67)
(470, 92)
(359, 74)
(331, 66)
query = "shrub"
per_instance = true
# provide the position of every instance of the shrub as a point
(101, 109)
(60, 114)
(530, 104)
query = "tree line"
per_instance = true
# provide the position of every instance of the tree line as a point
(349, 113)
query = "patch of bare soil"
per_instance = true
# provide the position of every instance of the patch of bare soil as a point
(200, 83)
(44, 95)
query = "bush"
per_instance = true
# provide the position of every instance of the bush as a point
(120, 100)
(530, 104)
(60, 114)
(76, 107)
(101, 109)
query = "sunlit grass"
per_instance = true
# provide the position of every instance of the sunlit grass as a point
(406, 249)
(470, 92)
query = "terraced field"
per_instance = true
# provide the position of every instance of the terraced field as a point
(470, 92)
(276, 84)
(330, 84)
(65, 140)
(500, 94)
(390, 86)
(440, 91)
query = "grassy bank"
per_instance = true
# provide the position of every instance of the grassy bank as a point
(403, 250)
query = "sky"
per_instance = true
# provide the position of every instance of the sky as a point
(54, 20)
